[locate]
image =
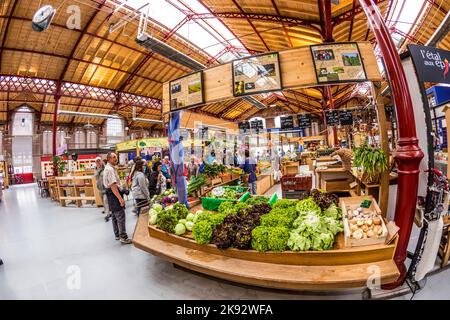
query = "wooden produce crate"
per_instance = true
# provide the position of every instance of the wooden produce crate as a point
(337, 185)
(352, 203)
(226, 177)
(216, 181)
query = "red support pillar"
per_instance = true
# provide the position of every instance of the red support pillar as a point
(408, 154)
(55, 115)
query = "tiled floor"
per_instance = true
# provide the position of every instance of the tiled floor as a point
(69, 253)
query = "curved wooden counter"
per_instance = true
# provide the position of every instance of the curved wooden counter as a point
(236, 266)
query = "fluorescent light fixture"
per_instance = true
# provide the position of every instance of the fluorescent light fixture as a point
(147, 120)
(155, 45)
(89, 115)
(255, 102)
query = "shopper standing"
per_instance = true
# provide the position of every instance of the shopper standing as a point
(193, 168)
(98, 173)
(165, 169)
(249, 167)
(139, 187)
(153, 179)
(111, 182)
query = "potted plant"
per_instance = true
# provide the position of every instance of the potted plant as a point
(59, 165)
(372, 161)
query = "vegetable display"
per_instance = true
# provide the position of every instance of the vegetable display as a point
(228, 208)
(222, 193)
(168, 198)
(195, 183)
(236, 228)
(308, 224)
(257, 200)
(270, 238)
(205, 225)
(213, 170)
(168, 218)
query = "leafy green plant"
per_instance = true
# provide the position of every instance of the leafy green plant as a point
(373, 161)
(59, 164)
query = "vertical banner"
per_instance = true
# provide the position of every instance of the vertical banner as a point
(177, 157)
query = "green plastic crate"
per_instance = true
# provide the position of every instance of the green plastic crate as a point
(213, 204)
(273, 199)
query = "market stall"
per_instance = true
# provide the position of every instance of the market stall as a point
(208, 246)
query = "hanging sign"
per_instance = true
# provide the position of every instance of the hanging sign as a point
(244, 126)
(332, 117)
(304, 121)
(431, 64)
(287, 123)
(256, 74)
(257, 125)
(346, 118)
(186, 92)
(204, 133)
(338, 62)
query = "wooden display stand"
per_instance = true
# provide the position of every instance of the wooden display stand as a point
(309, 270)
(334, 180)
(4, 174)
(290, 167)
(263, 183)
(77, 189)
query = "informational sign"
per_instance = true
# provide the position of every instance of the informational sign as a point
(244, 126)
(431, 64)
(346, 118)
(257, 125)
(332, 117)
(304, 121)
(256, 74)
(186, 92)
(204, 133)
(287, 123)
(338, 62)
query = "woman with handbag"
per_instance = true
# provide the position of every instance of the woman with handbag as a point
(139, 187)
(157, 180)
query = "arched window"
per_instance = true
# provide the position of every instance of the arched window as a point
(115, 130)
(91, 139)
(47, 140)
(23, 122)
(80, 139)
(22, 144)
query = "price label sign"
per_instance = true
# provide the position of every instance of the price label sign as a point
(244, 126)
(332, 117)
(287, 123)
(304, 121)
(346, 118)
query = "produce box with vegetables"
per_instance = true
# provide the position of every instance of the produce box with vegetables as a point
(296, 225)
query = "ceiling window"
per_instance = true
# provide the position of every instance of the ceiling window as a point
(210, 35)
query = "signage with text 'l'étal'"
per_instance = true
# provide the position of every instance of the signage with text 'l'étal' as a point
(431, 64)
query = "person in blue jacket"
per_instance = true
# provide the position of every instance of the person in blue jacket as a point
(249, 167)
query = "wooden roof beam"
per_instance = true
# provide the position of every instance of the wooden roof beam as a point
(76, 59)
(252, 25)
(5, 33)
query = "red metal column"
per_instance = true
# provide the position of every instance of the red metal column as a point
(408, 154)
(55, 115)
